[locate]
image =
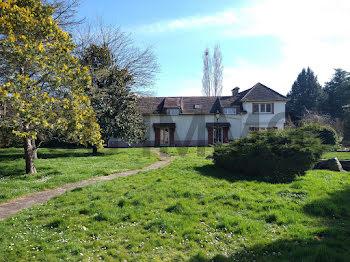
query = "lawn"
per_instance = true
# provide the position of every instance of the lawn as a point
(188, 211)
(61, 166)
(339, 155)
(178, 151)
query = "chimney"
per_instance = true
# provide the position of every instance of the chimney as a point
(235, 91)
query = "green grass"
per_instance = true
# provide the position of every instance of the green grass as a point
(177, 151)
(339, 155)
(61, 166)
(188, 211)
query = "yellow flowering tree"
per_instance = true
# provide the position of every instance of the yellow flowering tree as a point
(41, 83)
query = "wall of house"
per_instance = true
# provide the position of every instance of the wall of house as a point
(277, 119)
(191, 129)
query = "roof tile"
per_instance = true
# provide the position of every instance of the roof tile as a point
(207, 104)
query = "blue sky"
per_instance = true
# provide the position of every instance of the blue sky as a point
(267, 41)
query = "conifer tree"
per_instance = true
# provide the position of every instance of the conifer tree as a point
(346, 139)
(305, 94)
(111, 97)
(336, 94)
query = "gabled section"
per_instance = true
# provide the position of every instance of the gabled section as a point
(260, 92)
(216, 107)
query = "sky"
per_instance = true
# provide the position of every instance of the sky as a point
(266, 41)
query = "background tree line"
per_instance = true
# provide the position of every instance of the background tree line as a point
(312, 103)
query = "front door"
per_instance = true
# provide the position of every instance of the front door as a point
(217, 135)
(164, 136)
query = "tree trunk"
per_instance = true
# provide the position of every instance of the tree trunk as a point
(35, 150)
(29, 156)
(94, 150)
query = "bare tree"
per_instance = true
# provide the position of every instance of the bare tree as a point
(141, 63)
(65, 13)
(313, 117)
(207, 73)
(217, 71)
(212, 72)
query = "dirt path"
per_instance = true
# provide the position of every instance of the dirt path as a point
(16, 205)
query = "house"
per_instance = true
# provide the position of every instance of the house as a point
(203, 120)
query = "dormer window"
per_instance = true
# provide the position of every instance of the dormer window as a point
(230, 111)
(173, 111)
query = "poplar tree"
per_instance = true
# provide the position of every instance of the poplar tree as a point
(41, 82)
(212, 72)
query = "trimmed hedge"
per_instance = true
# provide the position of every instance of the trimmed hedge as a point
(272, 155)
(327, 134)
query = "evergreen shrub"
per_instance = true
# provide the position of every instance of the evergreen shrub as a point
(272, 155)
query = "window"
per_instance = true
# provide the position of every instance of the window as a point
(173, 111)
(230, 111)
(262, 108)
(268, 108)
(254, 128)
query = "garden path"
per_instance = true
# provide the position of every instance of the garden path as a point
(16, 205)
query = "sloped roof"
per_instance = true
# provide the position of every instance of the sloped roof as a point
(260, 92)
(207, 104)
(172, 102)
(158, 105)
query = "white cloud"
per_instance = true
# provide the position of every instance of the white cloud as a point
(313, 33)
(189, 23)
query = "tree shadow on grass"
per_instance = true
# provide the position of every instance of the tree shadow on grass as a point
(331, 243)
(221, 173)
(53, 153)
(50, 155)
(18, 172)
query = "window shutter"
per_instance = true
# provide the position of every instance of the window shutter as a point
(157, 136)
(225, 135)
(273, 108)
(172, 131)
(210, 135)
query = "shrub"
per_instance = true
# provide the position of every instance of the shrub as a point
(273, 155)
(327, 134)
